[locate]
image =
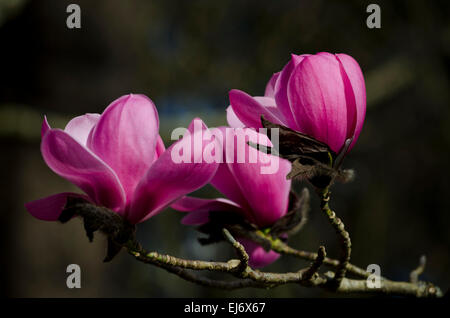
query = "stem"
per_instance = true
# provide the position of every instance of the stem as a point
(414, 275)
(240, 251)
(346, 245)
(313, 269)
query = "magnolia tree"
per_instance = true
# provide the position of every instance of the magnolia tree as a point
(308, 120)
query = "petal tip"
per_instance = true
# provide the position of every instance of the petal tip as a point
(45, 126)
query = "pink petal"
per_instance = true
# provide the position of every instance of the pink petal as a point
(317, 98)
(270, 87)
(199, 208)
(160, 148)
(258, 257)
(167, 180)
(80, 127)
(74, 162)
(272, 113)
(281, 91)
(196, 125)
(50, 208)
(45, 126)
(125, 138)
(350, 101)
(263, 197)
(249, 109)
(357, 88)
(224, 181)
(266, 194)
(190, 204)
(196, 218)
(232, 119)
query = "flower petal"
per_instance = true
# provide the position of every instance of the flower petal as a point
(281, 91)
(232, 119)
(168, 180)
(254, 180)
(45, 126)
(258, 257)
(160, 148)
(357, 88)
(50, 208)
(196, 218)
(199, 208)
(224, 181)
(74, 162)
(272, 113)
(190, 204)
(317, 98)
(80, 127)
(270, 87)
(266, 193)
(125, 138)
(249, 109)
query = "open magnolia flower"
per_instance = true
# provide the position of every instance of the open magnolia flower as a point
(119, 160)
(321, 95)
(261, 199)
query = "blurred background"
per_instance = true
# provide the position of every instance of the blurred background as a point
(186, 56)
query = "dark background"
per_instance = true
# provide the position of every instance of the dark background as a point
(186, 56)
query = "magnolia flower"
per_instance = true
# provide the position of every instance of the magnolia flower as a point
(321, 95)
(261, 199)
(119, 160)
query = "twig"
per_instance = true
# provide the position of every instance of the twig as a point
(240, 251)
(346, 245)
(315, 265)
(280, 247)
(304, 215)
(414, 275)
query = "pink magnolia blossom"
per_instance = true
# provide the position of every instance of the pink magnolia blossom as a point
(261, 199)
(321, 95)
(119, 160)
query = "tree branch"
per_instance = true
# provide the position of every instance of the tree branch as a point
(280, 247)
(207, 282)
(245, 276)
(249, 277)
(346, 245)
(257, 279)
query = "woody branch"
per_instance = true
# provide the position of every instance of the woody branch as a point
(244, 275)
